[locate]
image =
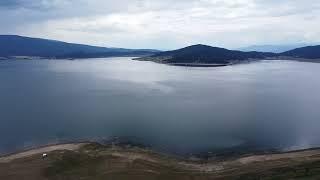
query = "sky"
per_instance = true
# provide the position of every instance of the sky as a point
(164, 24)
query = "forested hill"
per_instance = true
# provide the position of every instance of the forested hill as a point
(308, 52)
(12, 45)
(205, 54)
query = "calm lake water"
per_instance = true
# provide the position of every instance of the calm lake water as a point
(262, 105)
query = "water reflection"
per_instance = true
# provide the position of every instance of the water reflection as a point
(268, 104)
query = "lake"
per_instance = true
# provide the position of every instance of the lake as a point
(181, 110)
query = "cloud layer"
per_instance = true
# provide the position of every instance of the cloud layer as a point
(164, 24)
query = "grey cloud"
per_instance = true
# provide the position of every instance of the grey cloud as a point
(10, 3)
(32, 4)
(115, 22)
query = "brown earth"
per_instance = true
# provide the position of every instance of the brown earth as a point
(94, 161)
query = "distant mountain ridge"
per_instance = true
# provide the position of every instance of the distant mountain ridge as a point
(203, 54)
(13, 45)
(273, 48)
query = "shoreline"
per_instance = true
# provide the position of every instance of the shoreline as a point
(197, 65)
(235, 62)
(128, 162)
(73, 146)
(41, 149)
(137, 58)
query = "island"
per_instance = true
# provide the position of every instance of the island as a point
(207, 56)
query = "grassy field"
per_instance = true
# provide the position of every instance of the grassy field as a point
(96, 162)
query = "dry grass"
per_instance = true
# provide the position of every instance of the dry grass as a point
(94, 161)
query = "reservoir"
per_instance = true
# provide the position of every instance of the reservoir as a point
(182, 110)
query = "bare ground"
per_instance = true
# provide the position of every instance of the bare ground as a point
(47, 149)
(94, 161)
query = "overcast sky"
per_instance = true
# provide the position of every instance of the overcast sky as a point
(164, 24)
